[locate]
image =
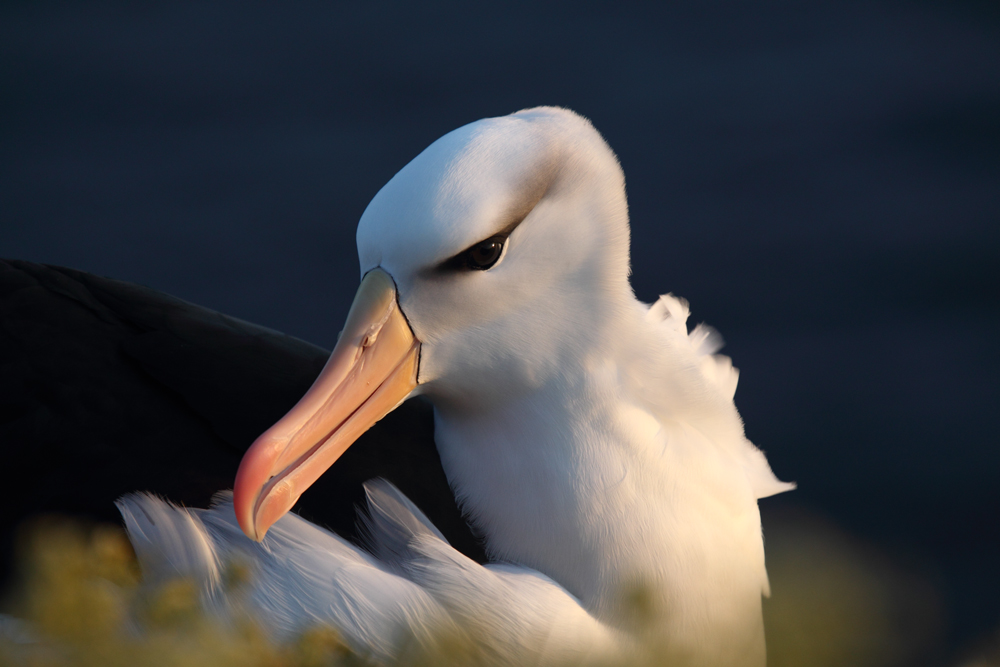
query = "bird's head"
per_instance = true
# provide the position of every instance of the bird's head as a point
(491, 261)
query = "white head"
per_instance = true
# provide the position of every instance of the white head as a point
(544, 184)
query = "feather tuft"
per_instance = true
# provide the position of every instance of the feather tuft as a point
(169, 541)
(392, 523)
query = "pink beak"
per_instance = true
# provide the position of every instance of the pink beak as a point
(372, 369)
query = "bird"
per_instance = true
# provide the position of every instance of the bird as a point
(591, 440)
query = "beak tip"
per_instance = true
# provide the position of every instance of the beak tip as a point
(251, 529)
(252, 475)
(246, 524)
(243, 508)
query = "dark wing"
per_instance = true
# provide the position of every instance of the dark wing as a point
(107, 387)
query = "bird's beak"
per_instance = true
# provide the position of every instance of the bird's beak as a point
(372, 369)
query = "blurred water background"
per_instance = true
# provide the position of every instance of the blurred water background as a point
(821, 180)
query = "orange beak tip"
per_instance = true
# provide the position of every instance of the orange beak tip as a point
(253, 473)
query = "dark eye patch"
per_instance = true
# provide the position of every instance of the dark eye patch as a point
(477, 257)
(485, 254)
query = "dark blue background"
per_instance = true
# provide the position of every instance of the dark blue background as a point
(821, 180)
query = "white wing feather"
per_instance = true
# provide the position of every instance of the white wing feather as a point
(302, 575)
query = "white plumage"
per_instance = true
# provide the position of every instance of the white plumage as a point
(590, 438)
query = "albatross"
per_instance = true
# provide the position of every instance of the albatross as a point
(591, 440)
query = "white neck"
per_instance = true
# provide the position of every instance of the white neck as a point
(579, 482)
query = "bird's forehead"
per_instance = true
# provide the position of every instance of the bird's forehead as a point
(460, 190)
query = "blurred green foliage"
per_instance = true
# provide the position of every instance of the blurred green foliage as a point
(835, 602)
(83, 604)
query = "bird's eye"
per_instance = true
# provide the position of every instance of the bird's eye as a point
(485, 254)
